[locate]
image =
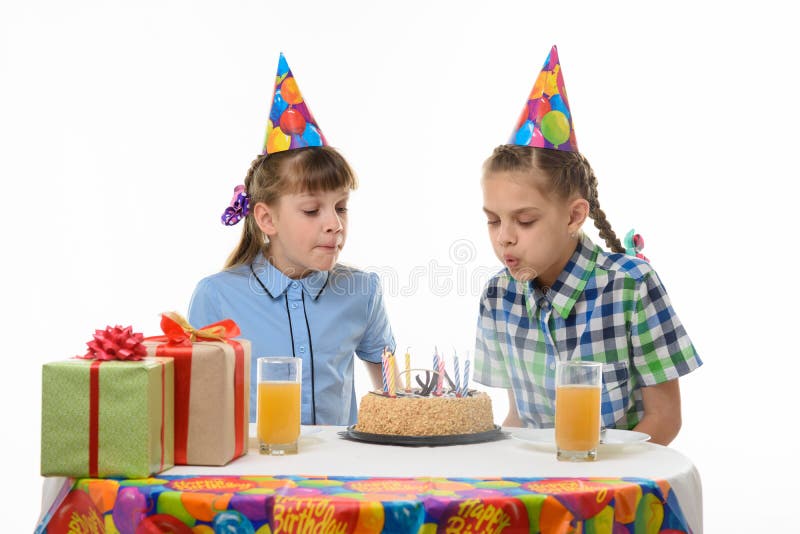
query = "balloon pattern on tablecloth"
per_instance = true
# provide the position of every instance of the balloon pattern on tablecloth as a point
(363, 505)
(546, 120)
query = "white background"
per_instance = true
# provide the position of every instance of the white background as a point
(124, 127)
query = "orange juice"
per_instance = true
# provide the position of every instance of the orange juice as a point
(278, 413)
(577, 417)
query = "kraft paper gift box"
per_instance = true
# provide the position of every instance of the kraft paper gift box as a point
(212, 389)
(107, 418)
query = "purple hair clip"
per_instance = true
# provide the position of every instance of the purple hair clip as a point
(239, 208)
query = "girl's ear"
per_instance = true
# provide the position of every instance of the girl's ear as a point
(578, 211)
(264, 216)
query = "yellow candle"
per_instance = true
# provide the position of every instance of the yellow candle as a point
(408, 372)
(392, 390)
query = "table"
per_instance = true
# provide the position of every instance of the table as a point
(497, 486)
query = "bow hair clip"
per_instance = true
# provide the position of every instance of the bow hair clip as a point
(239, 207)
(634, 243)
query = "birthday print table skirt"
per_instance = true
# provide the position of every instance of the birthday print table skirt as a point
(363, 505)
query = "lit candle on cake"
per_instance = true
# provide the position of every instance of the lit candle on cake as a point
(440, 381)
(408, 372)
(465, 386)
(384, 367)
(436, 369)
(456, 374)
(391, 365)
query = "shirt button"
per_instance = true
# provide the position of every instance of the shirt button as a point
(552, 365)
(302, 348)
(294, 284)
(294, 305)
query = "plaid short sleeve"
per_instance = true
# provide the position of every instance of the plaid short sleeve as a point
(489, 361)
(660, 348)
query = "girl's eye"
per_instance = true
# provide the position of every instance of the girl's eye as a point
(342, 209)
(525, 223)
(492, 222)
(310, 212)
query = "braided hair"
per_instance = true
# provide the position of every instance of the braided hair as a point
(569, 172)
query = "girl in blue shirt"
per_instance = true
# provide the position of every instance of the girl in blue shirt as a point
(282, 284)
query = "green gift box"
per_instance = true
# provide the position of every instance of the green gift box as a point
(107, 418)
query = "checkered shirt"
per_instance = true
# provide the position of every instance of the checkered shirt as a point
(609, 308)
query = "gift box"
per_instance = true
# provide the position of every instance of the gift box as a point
(107, 418)
(212, 389)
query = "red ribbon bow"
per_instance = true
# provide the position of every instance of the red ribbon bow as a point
(115, 343)
(178, 331)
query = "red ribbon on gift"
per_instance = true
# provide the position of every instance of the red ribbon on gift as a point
(94, 415)
(177, 344)
(113, 343)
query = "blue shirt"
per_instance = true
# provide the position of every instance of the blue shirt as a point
(324, 319)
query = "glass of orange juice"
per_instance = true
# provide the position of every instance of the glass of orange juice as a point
(278, 413)
(578, 386)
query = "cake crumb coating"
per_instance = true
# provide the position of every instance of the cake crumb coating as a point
(425, 416)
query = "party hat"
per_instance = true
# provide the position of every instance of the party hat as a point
(546, 121)
(291, 124)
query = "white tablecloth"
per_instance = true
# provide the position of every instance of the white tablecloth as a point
(323, 452)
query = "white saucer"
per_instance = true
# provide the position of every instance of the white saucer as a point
(612, 437)
(305, 430)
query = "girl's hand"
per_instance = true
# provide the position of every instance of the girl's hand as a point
(512, 419)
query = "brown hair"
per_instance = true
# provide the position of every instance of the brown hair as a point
(310, 169)
(569, 173)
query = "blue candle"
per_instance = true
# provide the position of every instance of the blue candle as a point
(436, 365)
(456, 375)
(465, 385)
(384, 370)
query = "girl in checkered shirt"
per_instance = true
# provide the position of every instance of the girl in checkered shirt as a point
(562, 297)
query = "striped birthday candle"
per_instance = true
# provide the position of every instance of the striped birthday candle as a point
(383, 372)
(392, 382)
(436, 369)
(465, 384)
(440, 381)
(456, 375)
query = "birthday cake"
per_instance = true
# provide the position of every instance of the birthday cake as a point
(415, 414)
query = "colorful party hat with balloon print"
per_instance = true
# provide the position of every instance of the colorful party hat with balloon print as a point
(291, 124)
(546, 121)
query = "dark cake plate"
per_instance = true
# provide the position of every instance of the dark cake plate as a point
(424, 441)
